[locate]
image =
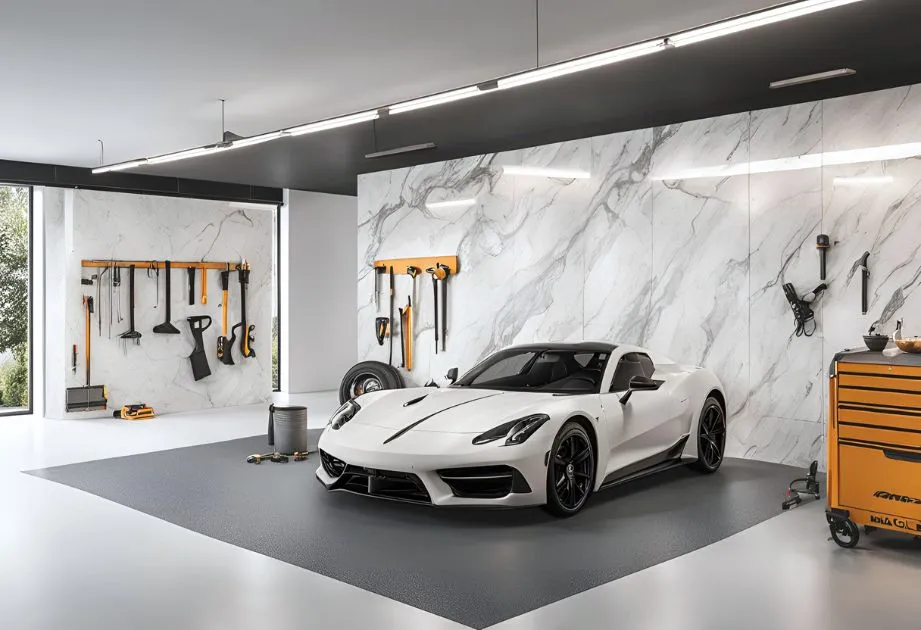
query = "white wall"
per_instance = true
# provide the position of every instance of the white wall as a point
(97, 225)
(318, 307)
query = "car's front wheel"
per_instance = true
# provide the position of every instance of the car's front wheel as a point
(570, 470)
(711, 436)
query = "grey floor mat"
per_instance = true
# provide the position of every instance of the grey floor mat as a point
(474, 567)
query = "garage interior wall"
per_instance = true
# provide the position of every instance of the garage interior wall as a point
(318, 308)
(83, 224)
(652, 250)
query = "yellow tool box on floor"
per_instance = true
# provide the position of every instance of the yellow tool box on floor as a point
(874, 444)
(134, 412)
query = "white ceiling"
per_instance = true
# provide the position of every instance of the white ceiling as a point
(146, 75)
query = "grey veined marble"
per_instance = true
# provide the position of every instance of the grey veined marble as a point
(648, 251)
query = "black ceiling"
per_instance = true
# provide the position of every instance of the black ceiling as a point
(878, 38)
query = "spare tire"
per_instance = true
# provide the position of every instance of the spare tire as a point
(369, 376)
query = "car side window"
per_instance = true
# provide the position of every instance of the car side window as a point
(630, 365)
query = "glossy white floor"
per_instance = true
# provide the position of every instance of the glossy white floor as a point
(72, 560)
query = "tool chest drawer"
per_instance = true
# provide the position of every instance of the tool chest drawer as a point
(879, 479)
(869, 424)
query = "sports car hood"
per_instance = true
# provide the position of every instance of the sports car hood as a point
(447, 410)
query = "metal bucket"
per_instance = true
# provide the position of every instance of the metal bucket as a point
(288, 429)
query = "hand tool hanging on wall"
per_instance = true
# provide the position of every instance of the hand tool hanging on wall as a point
(204, 285)
(111, 269)
(191, 272)
(152, 266)
(413, 272)
(392, 297)
(445, 273)
(167, 328)
(225, 345)
(199, 359)
(434, 273)
(132, 334)
(98, 280)
(823, 244)
(247, 338)
(408, 333)
(378, 271)
(802, 308)
(73, 360)
(381, 324)
(90, 397)
(402, 344)
(117, 283)
(864, 281)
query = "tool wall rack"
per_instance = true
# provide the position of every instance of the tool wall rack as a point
(141, 265)
(424, 262)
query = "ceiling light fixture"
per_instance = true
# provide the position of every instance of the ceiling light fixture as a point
(583, 63)
(813, 78)
(555, 173)
(253, 140)
(400, 150)
(755, 20)
(184, 155)
(333, 123)
(862, 181)
(435, 99)
(121, 166)
(457, 203)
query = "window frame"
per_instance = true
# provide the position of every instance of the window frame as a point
(27, 411)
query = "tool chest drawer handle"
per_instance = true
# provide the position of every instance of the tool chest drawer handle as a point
(902, 456)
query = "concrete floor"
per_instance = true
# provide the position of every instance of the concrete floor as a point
(73, 560)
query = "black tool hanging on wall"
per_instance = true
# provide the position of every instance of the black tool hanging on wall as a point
(802, 308)
(225, 345)
(247, 338)
(380, 329)
(823, 244)
(392, 298)
(412, 272)
(167, 328)
(864, 281)
(199, 359)
(191, 272)
(132, 334)
(152, 266)
(446, 271)
(434, 273)
(117, 288)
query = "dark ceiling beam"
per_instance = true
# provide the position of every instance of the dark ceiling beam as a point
(33, 174)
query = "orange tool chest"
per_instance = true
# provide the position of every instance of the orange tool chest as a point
(874, 444)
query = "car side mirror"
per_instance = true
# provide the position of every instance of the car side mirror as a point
(639, 384)
(452, 375)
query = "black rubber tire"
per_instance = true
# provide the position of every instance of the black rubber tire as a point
(553, 505)
(702, 464)
(386, 376)
(845, 533)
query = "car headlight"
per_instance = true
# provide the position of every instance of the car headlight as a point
(343, 414)
(514, 432)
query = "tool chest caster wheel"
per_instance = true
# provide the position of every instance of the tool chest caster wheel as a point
(845, 533)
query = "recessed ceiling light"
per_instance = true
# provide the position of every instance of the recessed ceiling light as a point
(555, 173)
(813, 78)
(755, 20)
(863, 181)
(456, 203)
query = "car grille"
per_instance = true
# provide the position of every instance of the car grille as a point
(484, 482)
(388, 484)
(333, 466)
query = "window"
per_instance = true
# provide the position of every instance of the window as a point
(630, 365)
(15, 300)
(555, 370)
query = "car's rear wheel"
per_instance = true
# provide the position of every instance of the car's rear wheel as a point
(711, 436)
(570, 471)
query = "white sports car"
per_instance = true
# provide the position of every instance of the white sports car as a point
(543, 424)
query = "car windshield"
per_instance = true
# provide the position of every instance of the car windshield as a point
(552, 370)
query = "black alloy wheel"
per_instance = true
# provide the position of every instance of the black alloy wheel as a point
(711, 436)
(570, 471)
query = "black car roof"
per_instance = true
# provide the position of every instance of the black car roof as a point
(581, 346)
